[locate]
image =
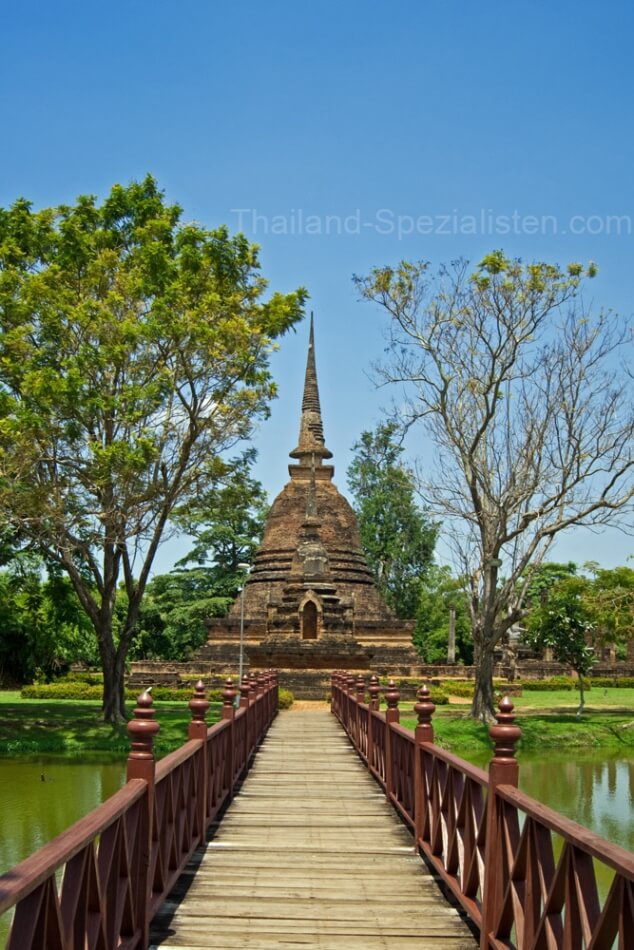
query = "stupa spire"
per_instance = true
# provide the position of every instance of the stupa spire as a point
(311, 445)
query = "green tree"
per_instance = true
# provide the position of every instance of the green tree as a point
(543, 578)
(227, 521)
(134, 350)
(43, 628)
(397, 536)
(439, 592)
(527, 398)
(610, 599)
(565, 624)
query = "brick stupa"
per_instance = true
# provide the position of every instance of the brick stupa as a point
(310, 601)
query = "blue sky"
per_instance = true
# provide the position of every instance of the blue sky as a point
(341, 136)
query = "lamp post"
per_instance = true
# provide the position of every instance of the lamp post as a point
(245, 568)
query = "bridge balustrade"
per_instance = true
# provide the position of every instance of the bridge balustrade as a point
(525, 875)
(99, 884)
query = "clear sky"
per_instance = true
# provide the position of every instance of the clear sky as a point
(341, 135)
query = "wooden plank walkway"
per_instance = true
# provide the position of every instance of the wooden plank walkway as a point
(309, 854)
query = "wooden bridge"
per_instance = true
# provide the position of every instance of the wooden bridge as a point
(343, 830)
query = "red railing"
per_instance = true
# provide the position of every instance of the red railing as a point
(525, 875)
(100, 883)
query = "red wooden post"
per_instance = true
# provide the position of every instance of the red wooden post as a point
(374, 690)
(141, 764)
(351, 715)
(373, 703)
(198, 730)
(360, 689)
(503, 770)
(244, 692)
(392, 697)
(228, 711)
(424, 732)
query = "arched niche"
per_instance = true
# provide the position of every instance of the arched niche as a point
(310, 618)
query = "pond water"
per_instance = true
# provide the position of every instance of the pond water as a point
(40, 798)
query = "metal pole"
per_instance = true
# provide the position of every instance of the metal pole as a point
(241, 661)
(245, 568)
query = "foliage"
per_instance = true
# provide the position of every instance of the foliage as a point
(43, 628)
(285, 698)
(548, 683)
(564, 624)
(72, 690)
(134, 352)
(171, 623)
(612, 682)
(542, 577)
(526, 396)
(227, 521)
(610, 600)
(439, 591)
(397, 536)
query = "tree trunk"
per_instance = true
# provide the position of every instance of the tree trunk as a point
(582, 700)
(483, 707)
(113, 665)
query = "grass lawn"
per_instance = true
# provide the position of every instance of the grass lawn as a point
(548, 721)
(74, 728)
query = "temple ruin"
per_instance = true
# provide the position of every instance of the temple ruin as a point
(310, 601)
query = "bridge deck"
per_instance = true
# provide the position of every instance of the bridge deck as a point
(309, 854)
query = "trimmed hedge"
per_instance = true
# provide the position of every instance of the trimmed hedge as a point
(65, 689)
(549, 684)
(612, 682)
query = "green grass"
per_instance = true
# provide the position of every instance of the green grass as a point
(548, 721)
(596, 698)
(74, 728)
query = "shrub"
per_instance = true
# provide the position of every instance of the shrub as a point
(62, 690)
(438, 696)
(462, 689)
(549, 684)
(285, 698)
(612, 682)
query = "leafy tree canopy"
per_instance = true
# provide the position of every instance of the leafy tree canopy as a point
(397, 536)
(564, 623)
(226, 521)
(439, 592)
(134, 351)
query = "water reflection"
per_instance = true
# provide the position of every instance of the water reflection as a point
(596, 793)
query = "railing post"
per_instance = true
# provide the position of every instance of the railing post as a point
(503, 770)
(360, 688)
(373, 704)
(141, 764)
(228, 711)
(244, 692)
(253, 727)
(392, 697)
(198, 730)
(424, 732)
(352, 706)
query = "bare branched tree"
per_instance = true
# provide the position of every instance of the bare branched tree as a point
(527, 399)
